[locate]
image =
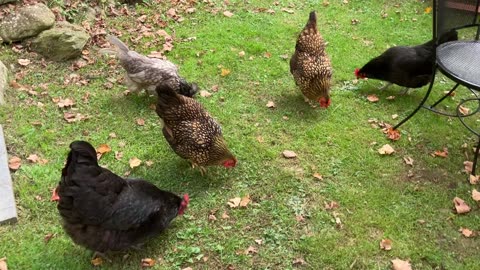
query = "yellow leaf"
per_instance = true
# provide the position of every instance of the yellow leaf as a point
(225, 72)
(97, 261)
(103, 148)
(428, 10)
(147, 262)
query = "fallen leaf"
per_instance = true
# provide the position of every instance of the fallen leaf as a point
(212, 217)
(386, 150)
(48, 237)
(23, 62)
(473, 179)
(227, 14)
(241, 54)
(428, 10)
(3, 263)
(148, 262)
(267, 55)
(393, 134)
(215, 88)
(475, 195)
(225, 215)
(440, 153)
(468, 166)
(390, 98)
(134, 162)
(289, 154)
(464, 110)
(140, 121)
(289, 11)
(398, 264)
(112, 135)
(187, 268)
(394, 116)
(72, 117)
(338, 222)
(270, 104)
(408, 160)
(118, 155)
(149, 163)
(235, 202)
(372, 98)
(63, 103)
(224, 72)
(33, 158)
(460, 206)
(205, 94)
(386, 244)
(251, 250)
(298, 262)
(97, 261)
(258, 241)
(190, 10)
(260, 139)
(331, 205)
(14, 163)
(245, 201)
(103, 148)
(466, 232)
(299, 218)
(318, 176)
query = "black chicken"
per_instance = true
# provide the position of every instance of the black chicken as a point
(105, 212)
(410, 67)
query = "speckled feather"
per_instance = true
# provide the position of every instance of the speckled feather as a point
(310, 65)
(190, 130)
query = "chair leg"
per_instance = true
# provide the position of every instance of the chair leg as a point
(445, 96)
(475, 157)
(419, 105)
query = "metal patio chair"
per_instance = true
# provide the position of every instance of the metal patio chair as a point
(457, 60)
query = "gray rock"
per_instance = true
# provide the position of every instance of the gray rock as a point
(64, 41)
(6, 1)
(28, 21)
(3, 82)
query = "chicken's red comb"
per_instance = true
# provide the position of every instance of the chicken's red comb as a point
(357, 71)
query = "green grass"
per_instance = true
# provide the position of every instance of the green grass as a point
(377, 197)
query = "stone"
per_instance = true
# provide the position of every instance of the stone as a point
(6, 1)
(8, 209)
(27, 22)
(3, 82)
(62, 42)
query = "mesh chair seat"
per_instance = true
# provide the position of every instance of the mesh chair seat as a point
(461, 59)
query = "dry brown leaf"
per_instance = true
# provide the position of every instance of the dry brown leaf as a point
(270, 104)
(3, 264)
(408, 160)
(148, 262)
(96, 261)
(187, 268)
(394, 116)
(112, 135)
(299, 262)
(386, 244)
(190, 10)
(134, 162)
(390, 98)
(289, 154)
(14, 163)
(140, 121)
(461, 206)
(466, 232)
(386, 150)
(48, 237)
(468, 166)
(398, 264)
(149, 163)
(259, 241)
(251, 250)
(103, 148)
(372, 98)
(227, 14)
(212, 217)
(72, 117)
(439, 153)
(241, 54)
(224, 72)
(289, 11)
(245, 201)
(33, 158)
(267, 55)
(118, 155)
(260, 139)
(331, 205)
(475, 195)
(318, 176)
(23, 62)
(215, 88)
(464, 110)
(299, 218)
(235, 202)
(225, 215)
(205, 94)
(393, 134)
(63, 103)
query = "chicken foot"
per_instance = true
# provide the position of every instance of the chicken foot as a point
(385, 86)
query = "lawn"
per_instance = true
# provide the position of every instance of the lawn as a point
(288, 223)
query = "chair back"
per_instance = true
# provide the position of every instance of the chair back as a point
(455, 14)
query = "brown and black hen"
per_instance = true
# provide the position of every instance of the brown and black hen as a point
(146, 73)
(190, 130)
(407, 66)
(104, 212)
(310, 65)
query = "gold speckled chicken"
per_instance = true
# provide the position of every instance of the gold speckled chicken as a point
(191, 132)
(310, 64)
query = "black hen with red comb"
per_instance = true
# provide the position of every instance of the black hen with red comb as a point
(105, 212)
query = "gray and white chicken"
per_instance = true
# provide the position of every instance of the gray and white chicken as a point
(146, 73)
